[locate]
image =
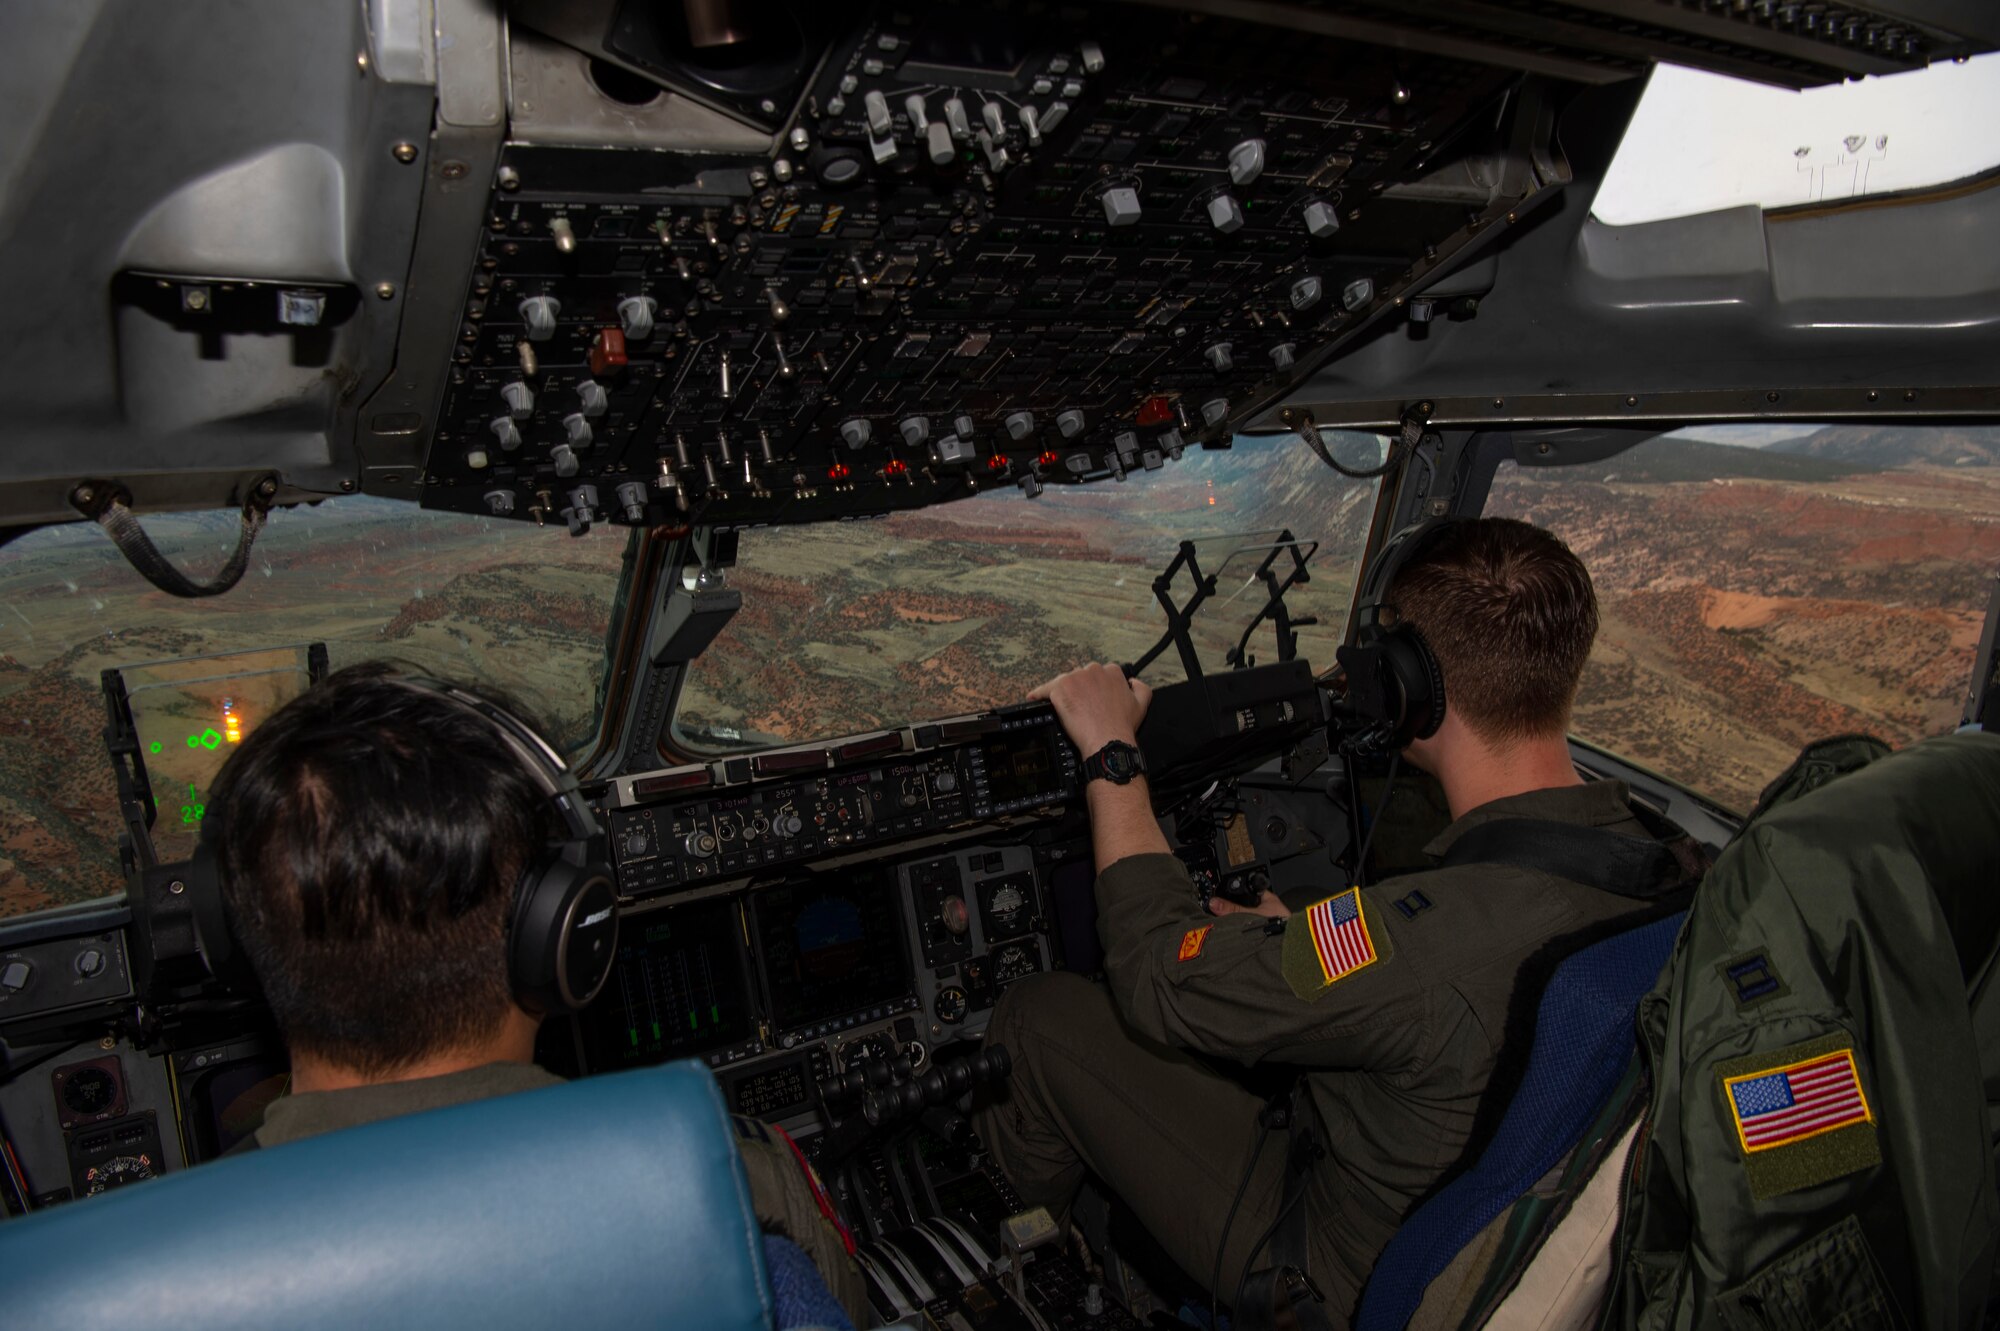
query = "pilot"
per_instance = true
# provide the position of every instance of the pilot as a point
(1393, 1001)
(372, 834)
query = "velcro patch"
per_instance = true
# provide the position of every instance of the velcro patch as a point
(1752, 979)
(1800, 1114)
(1327, 942)
(1193, 941)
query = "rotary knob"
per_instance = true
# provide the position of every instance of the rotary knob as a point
(915, 429)
(1306, 292)
(857, 432)
(593, 397)
(938, 144)
(700, 845)
(539, 313)
(578, 430)
(1121, 206)
(1070, 422)
(508, 433)
(1225, 214)
(636, 842)
(520, 400)
(954, 119)
(1020, 424)
(635, 316)
(632, 501)
(1246, 161)
(1321, 219)
(788, 825)
(1221, 356)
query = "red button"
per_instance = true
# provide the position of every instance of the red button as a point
(607, 351)
(1156, 410)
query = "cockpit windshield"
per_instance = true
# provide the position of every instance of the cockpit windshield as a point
(850, 626)
(468, 598)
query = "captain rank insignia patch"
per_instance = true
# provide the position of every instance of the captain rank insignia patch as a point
(1801, 1115)
(1329, 941)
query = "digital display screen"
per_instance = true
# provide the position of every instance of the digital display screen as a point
(831, 947)
(225, 1101)
(1021, 765)
(678, 989)
(988, 44)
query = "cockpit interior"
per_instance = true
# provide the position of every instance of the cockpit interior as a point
(771, 395)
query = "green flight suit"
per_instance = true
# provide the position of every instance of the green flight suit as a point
(1397, 1050)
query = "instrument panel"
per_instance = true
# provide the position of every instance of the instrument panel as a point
(784, 988)
(688, 826)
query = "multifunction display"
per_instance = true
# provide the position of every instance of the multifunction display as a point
(679, 989)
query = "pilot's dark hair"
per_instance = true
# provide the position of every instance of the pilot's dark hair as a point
(1510, 614)
(372, 837)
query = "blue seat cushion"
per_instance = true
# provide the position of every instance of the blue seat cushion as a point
(613, 1201)
(1584, 1038)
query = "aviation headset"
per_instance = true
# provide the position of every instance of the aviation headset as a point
(562, 932)
(1395, 687)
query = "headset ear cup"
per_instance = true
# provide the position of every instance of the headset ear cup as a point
(564, 934)
(1425, 722)
(1418, 681)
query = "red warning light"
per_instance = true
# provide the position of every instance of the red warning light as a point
(1155, 410)
(895, 468)
(998, 462)
(838, 472)
(1050, 458)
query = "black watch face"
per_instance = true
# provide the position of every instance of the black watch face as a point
(1118, 763)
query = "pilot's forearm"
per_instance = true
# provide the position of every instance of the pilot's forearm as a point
(1121, 822)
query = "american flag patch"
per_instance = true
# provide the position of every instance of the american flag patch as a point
(1800, 1100)
(1340, 935)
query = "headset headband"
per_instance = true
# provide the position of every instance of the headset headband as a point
(542, 763)
(1396, 555)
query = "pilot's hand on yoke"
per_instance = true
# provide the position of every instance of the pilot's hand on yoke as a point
(1267, 904)
(1097, 704)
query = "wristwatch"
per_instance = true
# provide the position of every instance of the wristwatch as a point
(1117, 762)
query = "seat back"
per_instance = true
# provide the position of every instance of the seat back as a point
(613, 1201)
(1584, 1041)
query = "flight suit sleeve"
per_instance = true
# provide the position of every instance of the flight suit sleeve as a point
(1245, 987)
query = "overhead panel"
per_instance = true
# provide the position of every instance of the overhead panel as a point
(987, 251)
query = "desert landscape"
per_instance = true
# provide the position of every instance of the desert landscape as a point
(508, 604)
(1754, 598)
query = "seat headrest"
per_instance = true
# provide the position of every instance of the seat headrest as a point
(617, 1200)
